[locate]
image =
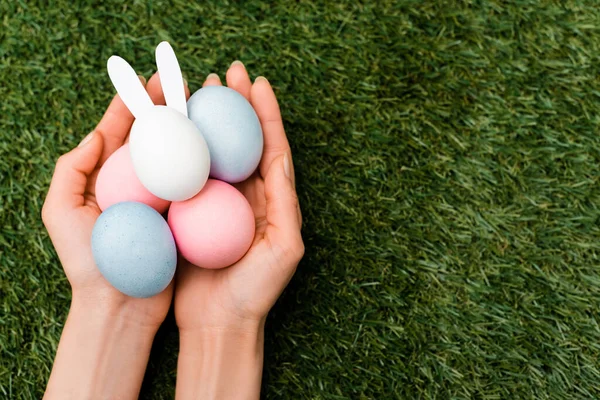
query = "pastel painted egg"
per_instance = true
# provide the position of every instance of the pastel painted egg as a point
(117, 182)
(169, 154)
(215, 228)
(134, 249)
(231, 129)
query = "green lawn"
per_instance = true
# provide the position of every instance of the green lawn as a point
(448, 161)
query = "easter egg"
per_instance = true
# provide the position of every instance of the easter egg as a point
(231, 129)
(169, 154)
(134, 249)
(215, 228)
(117, 182)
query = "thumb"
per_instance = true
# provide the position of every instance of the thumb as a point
(72, 171)
(283, 228)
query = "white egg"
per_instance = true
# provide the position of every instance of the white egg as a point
(169, 154)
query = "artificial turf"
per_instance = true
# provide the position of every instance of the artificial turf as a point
(448, 159)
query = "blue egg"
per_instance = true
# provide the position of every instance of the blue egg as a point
(134, 249)
(231, 129)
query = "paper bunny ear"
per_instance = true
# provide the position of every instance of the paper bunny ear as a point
(128, 85)
(171, 79)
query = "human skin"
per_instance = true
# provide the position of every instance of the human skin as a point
(221, 313)
(104, 347)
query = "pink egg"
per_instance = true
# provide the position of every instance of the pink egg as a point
(117, 182)
(215, 228)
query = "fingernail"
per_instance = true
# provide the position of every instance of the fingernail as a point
(142, 79)
(286, 165)
(86, 139)
(237, 62)
(213, 76)
(185, 82)
(260, 78)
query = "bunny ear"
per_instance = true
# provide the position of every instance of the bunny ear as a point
(128, 85)
(171, 79)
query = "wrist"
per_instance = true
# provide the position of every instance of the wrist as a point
(217, 342)
(101, 354)
(110, 318)
(119, 310)
(211, 325)
(221, 362)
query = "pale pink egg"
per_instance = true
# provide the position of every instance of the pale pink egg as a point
(117, 182)
(215, 228)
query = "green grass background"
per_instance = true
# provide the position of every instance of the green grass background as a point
(448, 161)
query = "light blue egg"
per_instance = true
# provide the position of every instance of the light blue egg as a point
(231, 129)
(134, 249)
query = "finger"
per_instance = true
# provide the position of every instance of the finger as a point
(72, 171)
(187, 89)
(265, 104)
(154, 89)
(212, 80)
(238, 79)
(299, 215)
(115, 125)
(283, 226)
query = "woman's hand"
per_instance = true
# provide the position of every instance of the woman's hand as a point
(221, 313)
(107, 337)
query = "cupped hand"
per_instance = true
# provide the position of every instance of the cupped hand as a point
(242, 294)
(70, 211)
